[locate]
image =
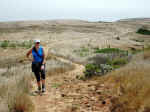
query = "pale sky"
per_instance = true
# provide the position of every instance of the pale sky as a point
(91, 10)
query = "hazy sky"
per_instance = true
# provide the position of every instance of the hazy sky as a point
(92, 10)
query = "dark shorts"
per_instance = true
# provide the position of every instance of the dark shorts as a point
(39, 74)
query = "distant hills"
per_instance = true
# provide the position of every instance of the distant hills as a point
(135, 19)
(20, 24)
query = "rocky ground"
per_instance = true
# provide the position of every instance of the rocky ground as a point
(66, 93)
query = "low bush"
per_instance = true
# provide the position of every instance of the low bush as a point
(25, 44)
(101, 69)
(96, 69)
(82, 52)
(100, 65)
(138, 40)
(135, 51)
(4, 44)
(118, 62)
(108, 50)
(91, 69)
(143, 31)
(8, 44)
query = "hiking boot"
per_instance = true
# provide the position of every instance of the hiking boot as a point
(39, 89)
(43, 90)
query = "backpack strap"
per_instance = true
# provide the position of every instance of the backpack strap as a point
(34, 49)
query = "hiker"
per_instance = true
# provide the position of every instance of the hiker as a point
(38, 64)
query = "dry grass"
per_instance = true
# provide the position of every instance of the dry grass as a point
(146, 54)
(3, 106)
(15, 84)
(63, 38)
(24, 105)
(131, 86)
(57, 67)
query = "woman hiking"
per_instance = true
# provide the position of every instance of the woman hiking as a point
(38, 64)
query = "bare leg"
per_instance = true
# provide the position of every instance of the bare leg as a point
(39, 85)
(43, 81)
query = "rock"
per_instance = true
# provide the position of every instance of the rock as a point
(103, 102)
(118, 38)
(63, 95)
(99, 92)
(102, 85)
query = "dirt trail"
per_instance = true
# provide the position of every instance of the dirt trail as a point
(65, 93)
(47, 102)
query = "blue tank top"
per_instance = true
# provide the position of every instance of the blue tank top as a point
(38, 58)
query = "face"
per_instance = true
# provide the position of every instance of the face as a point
(37, 44)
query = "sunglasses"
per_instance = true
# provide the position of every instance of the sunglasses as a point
(38, 43)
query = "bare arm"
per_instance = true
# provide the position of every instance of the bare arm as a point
(44, 60)
(29, 52)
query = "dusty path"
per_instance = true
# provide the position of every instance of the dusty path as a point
(65, 93)
(48, 101)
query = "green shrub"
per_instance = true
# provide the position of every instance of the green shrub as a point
(56, 85)
(138, 40)
(116, 59)
(85, 49)
(135, 51)
(82, 52)
(4, 44)
(101, 69)
(12, 45)
(118, 62)
(143, 31)
(108, 50)
(91, 69)
(24, 44)
(96, 69)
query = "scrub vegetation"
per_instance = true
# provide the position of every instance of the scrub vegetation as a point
(91, 66)
(14, 44)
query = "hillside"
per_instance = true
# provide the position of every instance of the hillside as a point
(70, 46)
(66, 36)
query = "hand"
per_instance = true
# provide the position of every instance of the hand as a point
(42, 67)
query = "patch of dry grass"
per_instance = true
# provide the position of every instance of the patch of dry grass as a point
(24, 105)
(146, 54)
(15, 85)
(131, 86)
(57, 67)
